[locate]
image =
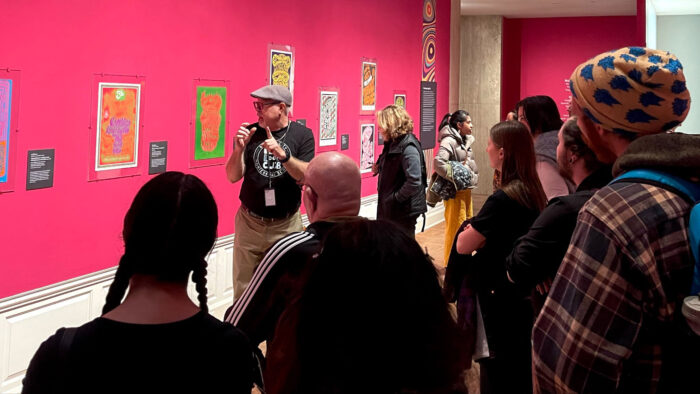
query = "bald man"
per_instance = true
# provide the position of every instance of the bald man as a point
(267, 309)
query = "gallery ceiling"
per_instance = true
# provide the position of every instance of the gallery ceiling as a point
(562, 8)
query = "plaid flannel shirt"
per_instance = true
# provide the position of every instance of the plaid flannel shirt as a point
(626, 271)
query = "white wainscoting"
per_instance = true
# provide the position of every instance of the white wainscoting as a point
(27, 319)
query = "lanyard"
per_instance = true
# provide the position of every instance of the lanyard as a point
(271, 158)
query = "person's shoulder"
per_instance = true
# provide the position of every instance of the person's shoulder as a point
(223, 331)
(294, 239)
(81, 333)
(499, 195)
(574, 201)
(300, 128)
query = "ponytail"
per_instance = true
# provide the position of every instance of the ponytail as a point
(199, 277)
(445, 121)
(118, 287)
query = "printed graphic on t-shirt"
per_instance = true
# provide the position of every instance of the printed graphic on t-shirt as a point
(267, 164)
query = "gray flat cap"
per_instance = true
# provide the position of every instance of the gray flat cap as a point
(274, 92)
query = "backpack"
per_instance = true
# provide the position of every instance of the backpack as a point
(691, 192)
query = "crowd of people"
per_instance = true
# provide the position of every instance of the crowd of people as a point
(566, 280)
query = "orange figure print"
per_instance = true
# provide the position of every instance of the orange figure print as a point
(209, 123)
(369, 83)
(211, 120)
(118, 126)
(3, 159)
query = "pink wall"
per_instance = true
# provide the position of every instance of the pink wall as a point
(540, 53)
(74, 228)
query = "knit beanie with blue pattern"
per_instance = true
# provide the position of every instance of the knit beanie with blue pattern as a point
(635, 90)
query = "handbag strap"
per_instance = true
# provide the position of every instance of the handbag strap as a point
(64, 347)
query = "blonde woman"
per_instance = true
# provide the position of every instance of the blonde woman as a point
(456, 141)
(401, 169)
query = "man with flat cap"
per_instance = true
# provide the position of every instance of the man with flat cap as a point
(271, 157)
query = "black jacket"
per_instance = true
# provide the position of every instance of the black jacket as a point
(536, 255)
(392, 177)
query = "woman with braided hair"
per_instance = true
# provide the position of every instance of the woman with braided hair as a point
(156, 339)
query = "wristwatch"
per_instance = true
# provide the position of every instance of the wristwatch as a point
(286, 159)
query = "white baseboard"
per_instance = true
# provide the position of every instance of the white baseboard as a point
(27, 319)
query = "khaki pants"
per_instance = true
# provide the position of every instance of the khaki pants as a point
(252, 239)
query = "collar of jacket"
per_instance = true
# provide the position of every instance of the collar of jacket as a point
(676, 153)
(448, 131)
(397, 145)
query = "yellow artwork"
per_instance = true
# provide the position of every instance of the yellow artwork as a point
(280, 68)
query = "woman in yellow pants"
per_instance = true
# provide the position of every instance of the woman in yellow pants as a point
(456, 140)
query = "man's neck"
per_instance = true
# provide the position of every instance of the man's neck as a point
(282, 123)
(578, 176)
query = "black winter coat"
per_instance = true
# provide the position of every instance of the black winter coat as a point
(392, 177)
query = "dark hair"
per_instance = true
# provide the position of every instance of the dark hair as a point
(168, 232)
(519, 178)
(571, 135)
(372, 316)
(454, 118)
(541, 112)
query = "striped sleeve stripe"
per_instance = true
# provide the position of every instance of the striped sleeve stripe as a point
(278, 250)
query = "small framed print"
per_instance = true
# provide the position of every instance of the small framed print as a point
(280, 66)
(369, 85)
(9, 111)
(209, 124)
(367, 138)
(328, 117)
(400, 99)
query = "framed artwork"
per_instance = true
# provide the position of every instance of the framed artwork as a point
(5, 119)
(328, 118)
(281, 66)
(369, 85)
(116, 126)
(9, 111)
(429, 41)
(209, 125)
(400, 100)
(367, 131)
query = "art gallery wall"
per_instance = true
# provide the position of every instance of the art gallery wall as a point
(674, 34)
(540, 53)
(73, 228)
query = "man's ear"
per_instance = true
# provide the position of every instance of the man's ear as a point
(312, 196)
(601, 131)
(572, 156)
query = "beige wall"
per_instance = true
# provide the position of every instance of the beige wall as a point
(455, 23)
(480, 84)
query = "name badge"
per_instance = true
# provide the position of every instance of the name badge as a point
(270, 197)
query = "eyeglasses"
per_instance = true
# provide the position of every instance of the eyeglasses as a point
(258, 105)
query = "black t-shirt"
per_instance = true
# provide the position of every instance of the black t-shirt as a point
(197, 355)
(505, 307)
(262, 168)
(502, 221)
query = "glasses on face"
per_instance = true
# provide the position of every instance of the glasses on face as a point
(259, 105)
